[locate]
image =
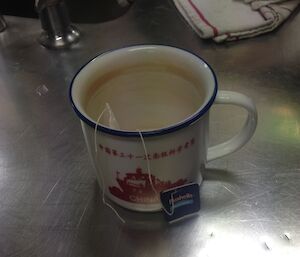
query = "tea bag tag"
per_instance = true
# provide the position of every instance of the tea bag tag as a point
(180, 202)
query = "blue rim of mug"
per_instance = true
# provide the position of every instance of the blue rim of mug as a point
(149, 133)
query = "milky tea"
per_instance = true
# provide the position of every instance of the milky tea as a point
(145, 97)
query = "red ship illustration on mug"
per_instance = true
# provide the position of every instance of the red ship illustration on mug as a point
(136, 188)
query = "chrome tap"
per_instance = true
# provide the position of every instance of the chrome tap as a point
(57, 29)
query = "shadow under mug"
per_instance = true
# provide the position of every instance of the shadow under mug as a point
(152, 83)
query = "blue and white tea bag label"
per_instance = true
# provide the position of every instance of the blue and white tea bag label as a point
(180, 201)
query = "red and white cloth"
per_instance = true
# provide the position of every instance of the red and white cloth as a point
(227, 20)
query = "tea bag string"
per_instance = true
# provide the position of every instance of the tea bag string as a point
(100, 171)
(150, 177)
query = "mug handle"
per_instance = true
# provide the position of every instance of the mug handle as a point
(237, 141)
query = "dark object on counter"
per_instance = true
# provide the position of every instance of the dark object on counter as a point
(24, 8)
(80, 11)
(2, 23)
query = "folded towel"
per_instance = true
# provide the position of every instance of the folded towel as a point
(227, 20)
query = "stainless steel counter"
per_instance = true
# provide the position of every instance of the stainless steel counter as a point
(50, 204)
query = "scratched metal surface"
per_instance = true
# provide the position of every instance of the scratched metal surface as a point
(50, 204)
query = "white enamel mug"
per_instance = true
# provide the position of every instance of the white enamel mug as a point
(171, 91)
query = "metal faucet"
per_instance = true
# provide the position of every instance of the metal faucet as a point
(57, 29)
